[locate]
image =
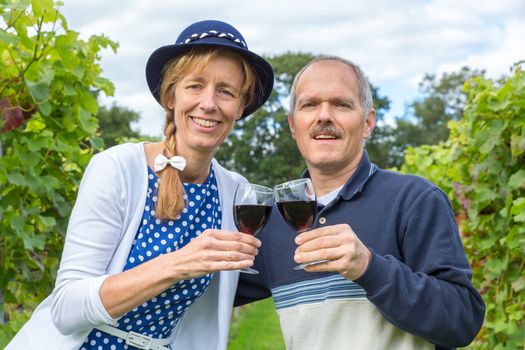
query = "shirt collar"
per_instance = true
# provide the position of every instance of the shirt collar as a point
(359, 178)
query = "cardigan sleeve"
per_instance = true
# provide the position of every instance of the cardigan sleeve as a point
(94, 231)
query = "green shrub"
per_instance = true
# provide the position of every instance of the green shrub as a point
(482, 168)
(49, 79)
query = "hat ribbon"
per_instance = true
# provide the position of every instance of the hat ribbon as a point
(161, 161)
(214, 33)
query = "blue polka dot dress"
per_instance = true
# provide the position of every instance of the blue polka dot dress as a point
(157, 317)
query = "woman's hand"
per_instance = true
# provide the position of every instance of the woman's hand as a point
(212, 251)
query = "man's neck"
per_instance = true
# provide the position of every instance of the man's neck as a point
(326, 179)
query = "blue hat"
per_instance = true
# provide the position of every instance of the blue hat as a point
(212, 33)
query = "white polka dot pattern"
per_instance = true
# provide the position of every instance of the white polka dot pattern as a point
(157, 317)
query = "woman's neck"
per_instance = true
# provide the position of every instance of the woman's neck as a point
(197, 163)
(197, 169)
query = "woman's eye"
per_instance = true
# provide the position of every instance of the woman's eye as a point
(194, 87)
(226, 92)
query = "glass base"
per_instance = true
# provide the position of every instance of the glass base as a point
(302, 266)
(249, 270)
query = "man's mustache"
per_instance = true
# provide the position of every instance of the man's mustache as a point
(326, 128)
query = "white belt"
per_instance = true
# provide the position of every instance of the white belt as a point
(135, 339)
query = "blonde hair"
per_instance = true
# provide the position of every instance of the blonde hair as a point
(170, 195)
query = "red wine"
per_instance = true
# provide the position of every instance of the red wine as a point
(250, 218)
(298, 214)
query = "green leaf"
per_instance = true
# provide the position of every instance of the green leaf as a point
(69, 90)
(518, 209)
(32, 241)
(8, 38)
(490, 136)
(97, 142)
(89, 102)
(47, 74)
(45, 108)
(30, 159)
(41, 6)
(47, 221)
(517, 180)
(35, 125)
(16, 178)
(87, 121)
(50, 181)
(106, 85)
(69, 122)
(37, 144)
(39, 91)
(78, 71)
(484, 195)
(497, 105)
(517, 145)
(17, 222)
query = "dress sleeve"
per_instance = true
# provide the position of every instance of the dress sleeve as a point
(429, 291)
(94, 231)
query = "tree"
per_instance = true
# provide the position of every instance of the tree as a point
(378, 145)
(115, 124)
(48, 82)
(261, 147)
(480, 166)
(425, 122)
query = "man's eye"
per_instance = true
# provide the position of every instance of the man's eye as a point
(308, 105)
(344, 105)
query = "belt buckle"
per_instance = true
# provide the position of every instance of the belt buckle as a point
(138, 340)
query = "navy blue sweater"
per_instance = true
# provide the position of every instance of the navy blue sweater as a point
(419, 277)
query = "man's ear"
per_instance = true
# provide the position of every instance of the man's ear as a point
(370, 123)
(291, 125)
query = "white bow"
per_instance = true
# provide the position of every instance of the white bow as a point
(161, 161)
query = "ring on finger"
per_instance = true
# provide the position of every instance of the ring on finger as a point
(229, 256)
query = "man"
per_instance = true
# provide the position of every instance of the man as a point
(397, 276)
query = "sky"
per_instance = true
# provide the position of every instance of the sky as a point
(395, 42)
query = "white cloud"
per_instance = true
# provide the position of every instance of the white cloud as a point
(396, 43)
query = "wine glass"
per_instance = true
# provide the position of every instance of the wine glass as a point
(297, 205)
(252, 206)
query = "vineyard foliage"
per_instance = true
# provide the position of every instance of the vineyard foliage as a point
(49, 80)
(482, 168)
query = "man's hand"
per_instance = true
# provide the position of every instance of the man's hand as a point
(339, 245)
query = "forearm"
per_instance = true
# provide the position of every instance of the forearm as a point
(212, 251)
(443, 311)
(123, 292)
(426, 288)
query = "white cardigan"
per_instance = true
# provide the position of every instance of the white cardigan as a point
(101, 230)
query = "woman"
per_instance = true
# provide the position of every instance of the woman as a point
(152, 225)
